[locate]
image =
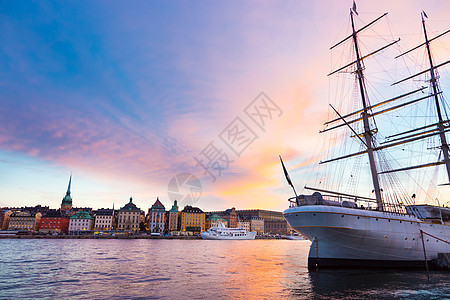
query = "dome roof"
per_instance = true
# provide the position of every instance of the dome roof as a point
(81, 215)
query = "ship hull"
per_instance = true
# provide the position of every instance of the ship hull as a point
(345, 237)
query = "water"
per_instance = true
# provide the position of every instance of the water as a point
(196, 269)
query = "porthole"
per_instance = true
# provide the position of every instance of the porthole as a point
(376, 219)
(358, 217)
(400, 221)
(389, 220)
(342, 216)
(314, 214)
(428, 240)
(406, 238)
(414, 239)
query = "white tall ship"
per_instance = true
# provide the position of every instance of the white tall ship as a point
(223, 233)
(386, 227)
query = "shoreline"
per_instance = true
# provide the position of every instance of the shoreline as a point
(129, 237)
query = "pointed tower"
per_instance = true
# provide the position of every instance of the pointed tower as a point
(66, 204)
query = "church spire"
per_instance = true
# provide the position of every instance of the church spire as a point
(66, 204)
(70, 182)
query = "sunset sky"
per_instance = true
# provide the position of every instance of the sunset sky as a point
(128, 94)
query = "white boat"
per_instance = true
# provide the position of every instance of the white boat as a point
(223, 233)
(386, 228)
(295, 237)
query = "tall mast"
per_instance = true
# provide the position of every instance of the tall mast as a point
(440, 125)
(365, 117)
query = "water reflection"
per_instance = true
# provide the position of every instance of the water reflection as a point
(196, 269)
(378, 284)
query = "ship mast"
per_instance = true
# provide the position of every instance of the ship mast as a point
(434, 84)
(365, 117)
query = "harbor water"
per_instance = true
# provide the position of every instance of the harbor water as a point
(194, 269)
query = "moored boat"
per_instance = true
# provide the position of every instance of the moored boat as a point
(223, 233)
(295, 237)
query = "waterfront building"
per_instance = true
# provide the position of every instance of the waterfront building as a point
(6, 215)
(129, 217)
(104, 219)
(66, 204)
(192, 219)
(172, 218)
(214, 220)
(244, 224)
(257, 224)
(230, 215)
(2, 217)
(54, 222)
(276, 227)
(156, 217)
(81, 221)
(266, 215)
(24, 220)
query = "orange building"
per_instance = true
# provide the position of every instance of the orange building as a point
(192, 219)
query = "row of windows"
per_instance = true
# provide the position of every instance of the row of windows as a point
(20, 222)
(102, 221)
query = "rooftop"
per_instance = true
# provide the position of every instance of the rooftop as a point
(130, 206)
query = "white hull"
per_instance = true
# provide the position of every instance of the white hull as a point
(354, 237)
(208, 236)
(295, 237)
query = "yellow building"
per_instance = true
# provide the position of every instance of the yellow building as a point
(192, 219)
(257, 224)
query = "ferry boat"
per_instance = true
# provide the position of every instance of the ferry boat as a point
(223, 233)
(386, 227)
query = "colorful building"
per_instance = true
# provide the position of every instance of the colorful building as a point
(214, 220)
(54, 222)
(156, 217)
(231, 216)
(66, 204)
(24, 220)
(2, 217)
(192, 219)
(104, 219)
(172, 218)
(129, 217)
(81, 221)
(7, 214)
